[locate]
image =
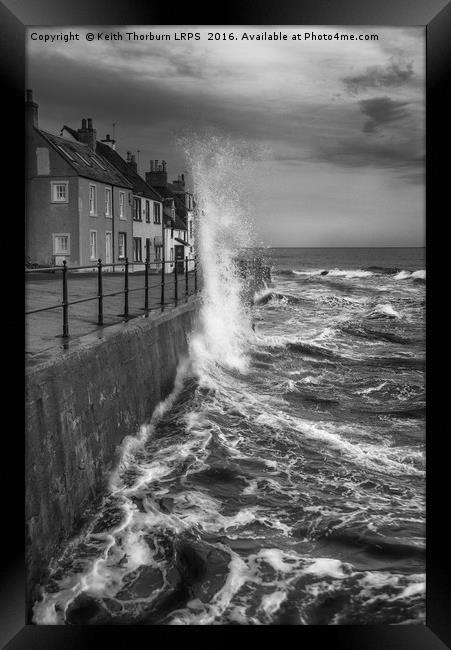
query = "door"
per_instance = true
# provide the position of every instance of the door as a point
(108, 248)
(180, 258)
(61, 248)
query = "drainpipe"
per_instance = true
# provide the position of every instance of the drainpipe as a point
(162, 238)
(112, 223)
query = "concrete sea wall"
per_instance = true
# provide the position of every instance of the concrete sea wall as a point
(79, 407)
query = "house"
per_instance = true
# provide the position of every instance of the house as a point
(175, 228)
(147, 208)
(184, 202)
(78, 205)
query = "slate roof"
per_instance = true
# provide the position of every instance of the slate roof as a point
(164, 192)
(139, 185)
(84, 161)
(179, 223)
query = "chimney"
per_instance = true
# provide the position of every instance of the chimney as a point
(157, 176)
(109, 141)
(132, 161)
(87, 134)
(31, 111)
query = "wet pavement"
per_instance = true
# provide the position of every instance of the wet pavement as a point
(43, 331)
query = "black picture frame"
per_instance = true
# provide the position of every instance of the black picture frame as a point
(15, 16)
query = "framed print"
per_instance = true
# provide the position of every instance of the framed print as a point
(230, 419)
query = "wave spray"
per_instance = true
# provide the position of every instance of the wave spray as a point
(219, 171)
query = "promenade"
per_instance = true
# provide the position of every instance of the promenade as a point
(43, 289)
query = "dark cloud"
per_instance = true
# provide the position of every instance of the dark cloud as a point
(308, 140)
(359, 152)
(393, 74)
(382, 111)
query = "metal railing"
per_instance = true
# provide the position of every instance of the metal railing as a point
(101, 295)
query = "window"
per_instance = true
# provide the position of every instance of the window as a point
(147, 212)
(121, 205)
(60, 192)
(156, 213)
(92, 199)
(98, 163)
(93, 244)
(171, 256)
(137, 249)
(191, 230)
(61, 244)
(65, 152)
(137, 216)
(107, 201)
(158, 253)
(147, 249)
(122, 248)
(83, 159)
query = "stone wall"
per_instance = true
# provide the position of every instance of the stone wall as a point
(79, 408)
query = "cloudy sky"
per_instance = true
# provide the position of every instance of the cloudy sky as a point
(340, 124)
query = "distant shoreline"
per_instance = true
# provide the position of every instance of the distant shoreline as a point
(334, 247)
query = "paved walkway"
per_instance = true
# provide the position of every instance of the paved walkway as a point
(43, 330)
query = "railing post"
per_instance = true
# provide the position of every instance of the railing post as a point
(146, 284)
(100, 292)
(65, 301)
(176, 287)
(195, 274)
(186, 277)
(162, 283)
(126, 288)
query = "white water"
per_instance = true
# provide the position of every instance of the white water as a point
(221, 340)
(218, 170)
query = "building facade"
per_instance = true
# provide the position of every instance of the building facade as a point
(147, 211)
(77, 204)
(176, 221)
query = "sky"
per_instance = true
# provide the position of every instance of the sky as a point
(337, 126)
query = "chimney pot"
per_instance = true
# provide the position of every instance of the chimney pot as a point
(87, 135)
(31, 111)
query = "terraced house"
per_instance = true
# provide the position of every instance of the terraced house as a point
(147, 208)
(78, 205)
(176, 242)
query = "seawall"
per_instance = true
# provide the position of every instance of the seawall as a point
(79, 407)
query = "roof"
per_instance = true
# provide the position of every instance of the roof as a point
(179, 223)
(180, 206)
(84, 161)
(139, 185)
(164, 192)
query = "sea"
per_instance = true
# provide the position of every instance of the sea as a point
(283, 480)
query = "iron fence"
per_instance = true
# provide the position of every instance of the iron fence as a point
(181, 281)
(178, 293)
